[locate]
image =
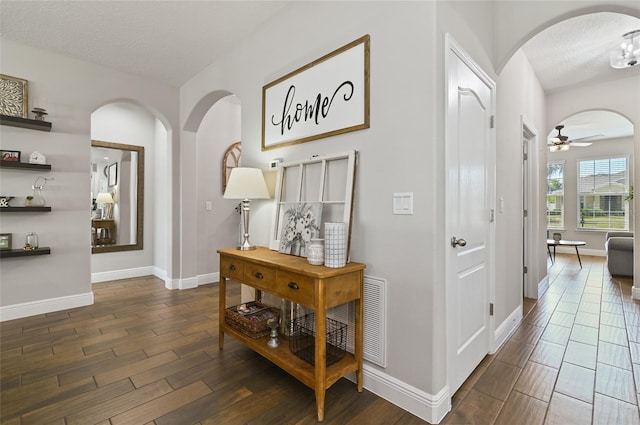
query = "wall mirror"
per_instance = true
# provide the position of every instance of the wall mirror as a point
(117, 197)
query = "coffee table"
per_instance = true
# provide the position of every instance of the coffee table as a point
(562, 242)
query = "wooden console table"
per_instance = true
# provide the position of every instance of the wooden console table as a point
(316, 287)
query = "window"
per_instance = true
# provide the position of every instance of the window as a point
(555, 194)
(603, 185)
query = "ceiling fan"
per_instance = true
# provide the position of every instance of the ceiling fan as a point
(562, 143)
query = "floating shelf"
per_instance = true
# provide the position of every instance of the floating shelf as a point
(25, 123)
(25, 165)
(22, 253)
(25, 209)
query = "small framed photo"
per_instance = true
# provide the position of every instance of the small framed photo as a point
(113, 174)
(14, 98)
(5, 241)
(9, 156)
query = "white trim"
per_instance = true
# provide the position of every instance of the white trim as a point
(504, 330)
(203, 279)
(188, 283)
(635, 293)
(122, 274)
(429, 407)
(32, 308)
(172, 284)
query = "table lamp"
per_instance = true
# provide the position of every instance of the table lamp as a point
(245, 184)
(105, 198)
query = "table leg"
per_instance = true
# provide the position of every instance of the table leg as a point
(554, 253)
(359, 334)
(320, 360)
(578, 254)
(549, 251)
(222, 309)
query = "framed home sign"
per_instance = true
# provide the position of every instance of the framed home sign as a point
(326, 97)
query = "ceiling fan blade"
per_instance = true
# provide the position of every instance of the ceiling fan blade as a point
(588, 138)
(581, 144)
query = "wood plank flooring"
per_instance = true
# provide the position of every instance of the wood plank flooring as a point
(143, 355)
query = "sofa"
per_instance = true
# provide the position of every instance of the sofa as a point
(619, 248)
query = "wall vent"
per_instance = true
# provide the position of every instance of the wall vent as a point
(375, 323)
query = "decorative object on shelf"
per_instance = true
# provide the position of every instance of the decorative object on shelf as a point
(10, 156)
(37, 158)
(300, 224)
(40, 113)
(335, 252)
(273, 342)
(31, 241)
(326, 97)
(28, 201)
(252, 318)
(246, 183)
(230, 161)
(14, 96)
(4, 201)
(5, 241)
(302, 342)
(289, 310)
(557, 236)
(106, 199)
(315, 252)
(38, 199)
(628, 52)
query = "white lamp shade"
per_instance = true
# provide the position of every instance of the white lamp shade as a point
(246, 183)
(104, 198)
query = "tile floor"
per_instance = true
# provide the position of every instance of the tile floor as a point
(574, 359)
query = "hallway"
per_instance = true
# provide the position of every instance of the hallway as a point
(575, 358)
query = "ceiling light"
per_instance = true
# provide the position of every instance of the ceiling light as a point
(628, 53)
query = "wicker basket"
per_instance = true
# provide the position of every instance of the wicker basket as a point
(251, 318)
(302, 341)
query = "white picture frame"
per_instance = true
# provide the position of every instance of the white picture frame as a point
(326, 97)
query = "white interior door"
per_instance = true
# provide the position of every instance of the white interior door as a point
(470, 181)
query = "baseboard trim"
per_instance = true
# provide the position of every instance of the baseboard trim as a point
(123, 274)
(32, 308)
(203, 279)
(504, 330)
(431, 408)
(635, 292)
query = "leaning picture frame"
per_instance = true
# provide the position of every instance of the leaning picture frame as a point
(14, 96)
(9, 156)
(112, 172)
(5, 241)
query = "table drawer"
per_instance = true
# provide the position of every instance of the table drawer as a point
(258, 276)
(232, 268)
(295, 287)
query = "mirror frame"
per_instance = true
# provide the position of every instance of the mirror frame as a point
(140, 204)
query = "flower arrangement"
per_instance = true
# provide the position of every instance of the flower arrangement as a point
(300, 224)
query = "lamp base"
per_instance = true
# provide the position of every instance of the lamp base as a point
(246, 248)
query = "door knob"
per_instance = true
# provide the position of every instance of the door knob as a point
(457, 242)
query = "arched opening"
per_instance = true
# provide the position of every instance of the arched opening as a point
(125, 122)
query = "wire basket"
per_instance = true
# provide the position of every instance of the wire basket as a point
(251, 318)
(302, 341)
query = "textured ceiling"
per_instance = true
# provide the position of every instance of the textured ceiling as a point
(166, 41)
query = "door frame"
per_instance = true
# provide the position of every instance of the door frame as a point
(529, 136)
(452, 45)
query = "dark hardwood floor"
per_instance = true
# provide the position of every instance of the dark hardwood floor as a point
(144, 355)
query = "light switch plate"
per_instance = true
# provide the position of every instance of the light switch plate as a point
(403, 203)
(208, 205)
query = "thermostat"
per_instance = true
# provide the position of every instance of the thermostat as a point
(273, 164)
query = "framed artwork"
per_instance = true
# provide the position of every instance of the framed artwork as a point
(9, 156)
(300, 224)
(14, 97)
(230, 161)
(326, 97)
(112, 178)
(5, 241)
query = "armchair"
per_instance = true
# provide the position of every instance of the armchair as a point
(619, 248)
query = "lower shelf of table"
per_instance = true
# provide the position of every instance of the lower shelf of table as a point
(295, 366)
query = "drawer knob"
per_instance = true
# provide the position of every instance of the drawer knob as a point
(232, 267)
(293, 285)
(259, 275)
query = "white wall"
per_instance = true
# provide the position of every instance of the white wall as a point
(218, 228)
(70, 90)
(519, 97)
